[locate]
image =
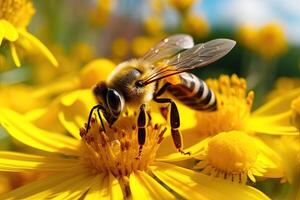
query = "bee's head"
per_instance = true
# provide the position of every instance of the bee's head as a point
(111, 100)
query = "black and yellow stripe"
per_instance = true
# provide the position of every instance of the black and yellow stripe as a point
(194, 93)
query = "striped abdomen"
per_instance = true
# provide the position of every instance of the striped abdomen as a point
(194, 93)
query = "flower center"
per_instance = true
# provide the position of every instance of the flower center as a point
(232, 152)
(17, 12)
(234, 105)
(116, 151)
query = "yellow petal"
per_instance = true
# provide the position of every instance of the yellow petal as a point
(15, 55)
(46, 118)
(72, 188)
(105, 187)
(56, 88)
(271, 160)
(278, 105)
(17, 126)
(17, 162)
(39, 189)
(97, 186)
(10, 32)
(75, 108)
(145, 187)
(192, 142)
(114, 188)
(193, 185)
(276, 124)
(40, 46)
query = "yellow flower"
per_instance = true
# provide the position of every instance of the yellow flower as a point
(141, 44)
(236, 156)
(104, 165)
(15, 16)
(246, 35)
(231, 97)
(154, 25)
(234, 110)
(182, 5)
(100, 15)
(120, 48)
(224, 128)
(20, 98)
(82, 52)
(282, 85)
(196, 26)
(271, 41)
(70, 62)
(157, 6)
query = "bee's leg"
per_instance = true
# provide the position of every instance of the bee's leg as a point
(141, 122)
(98, 107)
(163, 109)
(161, 90)
(175, 124)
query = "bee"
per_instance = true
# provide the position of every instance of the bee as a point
(164, 68)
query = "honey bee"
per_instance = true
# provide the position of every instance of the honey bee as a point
(162, 69)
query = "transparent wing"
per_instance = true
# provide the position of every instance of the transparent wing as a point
(198, 56)
(168, 47)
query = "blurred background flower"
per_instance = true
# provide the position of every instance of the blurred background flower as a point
(87, 39)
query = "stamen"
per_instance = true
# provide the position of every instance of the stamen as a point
(116, 150)
(234, 105)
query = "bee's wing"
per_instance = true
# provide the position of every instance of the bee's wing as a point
(168, 47)
(198, 56)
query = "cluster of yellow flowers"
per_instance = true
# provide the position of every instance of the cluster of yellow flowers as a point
(269, 41)
(231, 148)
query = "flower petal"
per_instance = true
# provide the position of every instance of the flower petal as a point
(114, 188)
(72, 188)
(18, 162)
(96, 187)
(39, 45)
(75, 108)
(278, 105)
(57, 87)
(193, 185)
(192, 142)
(270, 159)
(41, 188)
(105, 187)
(15, 55)
(10, 32)
(17, 126)
(145, 187)
(276, 124)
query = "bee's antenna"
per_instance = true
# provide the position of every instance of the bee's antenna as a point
(98, 107)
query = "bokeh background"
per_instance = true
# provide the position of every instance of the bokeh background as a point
(76, 31)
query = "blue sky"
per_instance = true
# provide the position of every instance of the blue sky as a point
(255, 12)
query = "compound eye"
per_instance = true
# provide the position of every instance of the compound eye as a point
(114, 102)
